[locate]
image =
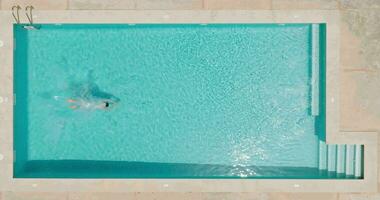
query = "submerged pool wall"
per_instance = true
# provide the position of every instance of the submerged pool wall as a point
(320, 121)
(20, 118)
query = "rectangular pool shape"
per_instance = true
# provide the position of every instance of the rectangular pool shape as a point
(174, 101)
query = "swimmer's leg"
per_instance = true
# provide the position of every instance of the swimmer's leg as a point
(71, 100)
(73, 107)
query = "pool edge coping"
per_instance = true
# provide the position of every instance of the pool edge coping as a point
(334, 135)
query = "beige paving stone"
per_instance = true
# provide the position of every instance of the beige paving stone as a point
(360, 105)
(168, 196)
(364, 27)
(230, 185)
(34, 196)
(38, 4)
(118, 185)
(304, 4)
(101, 4)
(6, 153)
(355, 4)
(378, 164)
(303, 196)
(85, 185)
(101, 196)
(238, 4)
(351, 55)
(254, 196)
(223, 195)
(6, 171)
(359, 197)
(169, 4)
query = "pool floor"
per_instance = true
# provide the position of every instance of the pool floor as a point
(190, 101)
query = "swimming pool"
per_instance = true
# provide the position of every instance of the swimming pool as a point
(193, 101)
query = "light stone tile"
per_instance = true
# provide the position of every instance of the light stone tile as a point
(350, 49)
(101, 196)
(85, 185)
(7, 124)
(101, 4)
(364, 28)
(378, 165)
(359, 102)
(230, 185)
(119, 185)
(37, 4)
(359, 196)
(254, 196)
(155, 185)
(221, 195)
(169, 4)
(303, 196)
(6, 172)
(30, 185)
(237, 4)
(304, 4)
(235, 196)
(177, 187)
(359, 4)
(6, 91)
(168, 196)
(6, 153)
(34, 196)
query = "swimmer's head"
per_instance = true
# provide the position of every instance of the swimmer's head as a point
(106, 104)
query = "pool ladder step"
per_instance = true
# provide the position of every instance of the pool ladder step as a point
(341, 160)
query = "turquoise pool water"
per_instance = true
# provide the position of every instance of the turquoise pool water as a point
(195, 101)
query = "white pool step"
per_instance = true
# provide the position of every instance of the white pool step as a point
(350, 163)
(341, 160)
(315, 64)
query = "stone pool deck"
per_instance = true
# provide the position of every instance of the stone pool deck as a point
(359, 77)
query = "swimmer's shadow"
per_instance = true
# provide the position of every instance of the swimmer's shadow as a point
(90, 90)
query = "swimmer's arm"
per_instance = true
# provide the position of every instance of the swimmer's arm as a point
(100, 106)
